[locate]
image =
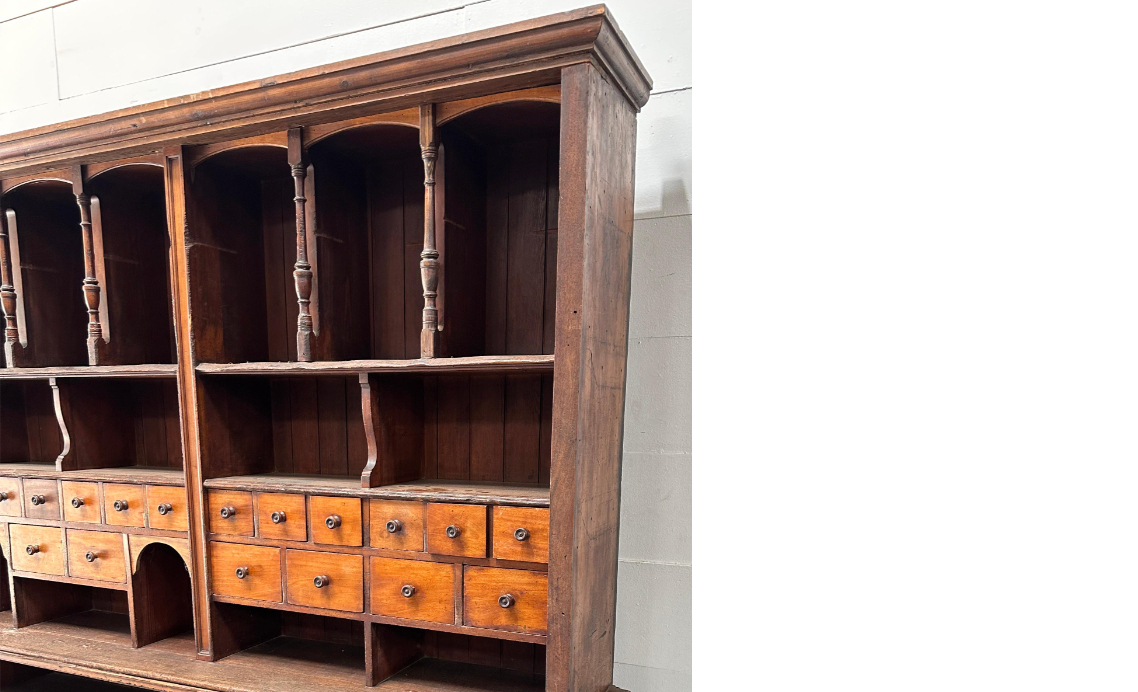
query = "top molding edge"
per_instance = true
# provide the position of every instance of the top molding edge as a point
(522, 54)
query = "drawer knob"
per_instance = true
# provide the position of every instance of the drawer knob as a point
(453, 531)
(38, 499)
(506, 600)
(241, 572)
(228, 512)
(394, 526)
(321, 581)
(90, 556)
(76, 502)
(333, 522)
(165, 508)
(3, 495)
(121, 505)
(521, 534)
(278, 517)
(33, 549)
(408, 591)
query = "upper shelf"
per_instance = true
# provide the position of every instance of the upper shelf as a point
(474, 492)
(471, 365)
(152, 370)
(158, 475)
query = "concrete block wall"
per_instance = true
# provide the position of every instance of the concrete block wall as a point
(65, 60)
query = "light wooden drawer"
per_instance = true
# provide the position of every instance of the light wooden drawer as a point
(336, 520)
(456, 529)
(96, 555)
(505, 599)
(413, 589)
(124, 505)
(325, 580)
(230, 512)
(520, 533)
(245, 571)
(281, 516)
(41, 499)
(11, 499)
(166, 508)
(397, 525)
(81, 502)
(37, 549)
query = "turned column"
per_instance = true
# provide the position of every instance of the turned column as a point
(302, 274)
(92, 292)
(7, 290)
(429, 267)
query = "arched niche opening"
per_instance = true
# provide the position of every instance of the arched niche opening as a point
(46, 248)
(161, 594)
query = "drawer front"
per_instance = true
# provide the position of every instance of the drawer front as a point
(124, 505)
(166, 508)
(11, 499)
(397, 525)
(325, 580)
(520, 533)
(505, 599)
(281, 516)
(456, 530)
(96, 555)
(413, 589)
(230, 512)
(336, 520)
(245, 571)
(41, 498)
(81, 502)
(37, 549)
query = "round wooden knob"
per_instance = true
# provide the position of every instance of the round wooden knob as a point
(241, 572)
(321, 581)
(521, 534)
(506, 600)
(453, 531)
(38, 499)
(278, 517)
(90, 556)
(3, 495)
(32, 549)
(121, 505)
(408, 591)
(333, 522)
(76, 502)
(228, 512)
(165, 508)
(394, 526)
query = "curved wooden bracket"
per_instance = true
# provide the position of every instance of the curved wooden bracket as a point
(61, 418)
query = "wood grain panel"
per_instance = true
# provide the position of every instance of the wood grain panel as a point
(469, 520)
(347, 509)
(432, 590)
(408, 533)
(132, 504)
(341, 578)
(166, 507)
(96, 555)
(291, 524)
(530, 546)
(239, 508)
(528, 591)
(86, 495)
(11, 498)
(46, 543)
(261, 566)
(41, 499)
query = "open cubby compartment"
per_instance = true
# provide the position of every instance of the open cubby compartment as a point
(114, 422)
(36, 601)
(161, 595)
(131, 252)
(413, 660)
(45, 247)
(29, 428)
(241, 247)
(309, 425)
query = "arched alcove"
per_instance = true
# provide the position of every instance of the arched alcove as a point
(163, 599)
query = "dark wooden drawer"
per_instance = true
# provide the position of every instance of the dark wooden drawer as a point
(336, 520)
(124, 505)
(245, 571)
(166, 508)
(37, 549)
(281, 516)
(521, 534)
(96, 555)
(325, 580)
(397, 525)
(456, 529)
(505, 599)
(413, 589)
(81, 502)
(41, 499)
(230, 512)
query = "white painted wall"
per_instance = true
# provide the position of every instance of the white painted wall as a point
(65, 60)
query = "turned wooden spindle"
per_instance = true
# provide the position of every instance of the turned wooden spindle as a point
(92, 292)
(7, 289)
(303, 270)
(429, 266)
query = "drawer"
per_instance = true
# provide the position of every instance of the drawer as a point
(413, 589)
(81, 502)
(41, 498)
(397, 525)
(336, 520)
(281, 516)
(230, 512)
(245, 571)
(37, 549)
(124, 505)
(456, 530)
(96, 555)
(505, 599)
(520, 533)
(166, 508)
(11, 499)
(325, 580)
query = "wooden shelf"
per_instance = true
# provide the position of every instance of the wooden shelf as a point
(471, 365)
(472, 492)
(154, 475)
(434, 675)
(155, 370)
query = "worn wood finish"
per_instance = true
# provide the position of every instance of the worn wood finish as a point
(124, 505)
(82, 502)
(520, 534)
(281, 516)
(11, 497)
(166, 508)
(38, 549)
(132, 371)
(397, 525)
(161, 595)
(336, 520)
(119, 422)
(460, 492)
(413, 590)
(96, 555)
(260, 575)
(467, 523)
(485, 587)
(325, 580)
(230, 513)
(41, 499)
(464, 365)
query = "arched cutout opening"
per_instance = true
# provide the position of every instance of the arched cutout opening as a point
(128, 209)
(163, 597)
(46, 246)
(241, 244)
